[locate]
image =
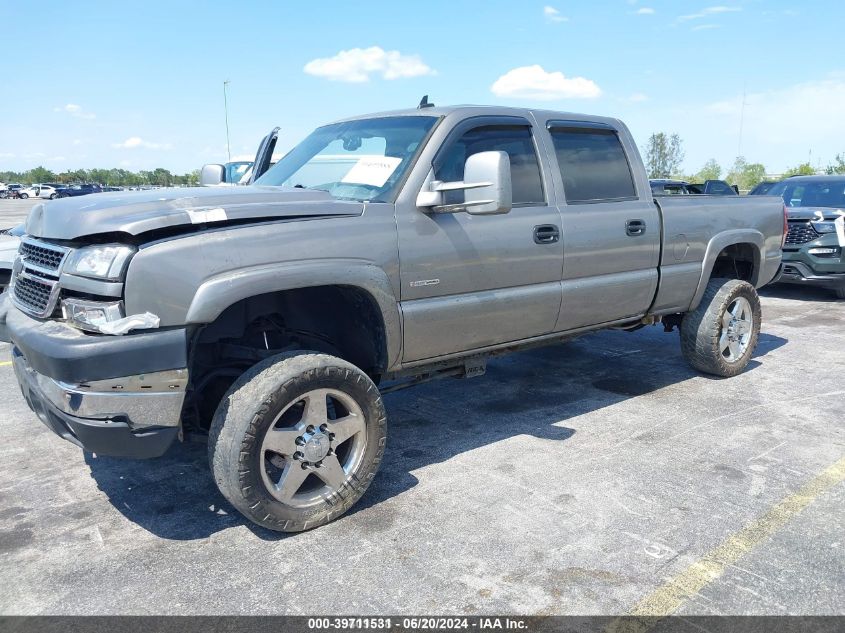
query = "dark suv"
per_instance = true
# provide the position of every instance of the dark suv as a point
(79, 190)
(813, 252)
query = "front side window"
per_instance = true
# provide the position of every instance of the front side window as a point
(516, 141)
(592, 164)
(361, 160)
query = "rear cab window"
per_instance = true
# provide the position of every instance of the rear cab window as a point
(592, 161)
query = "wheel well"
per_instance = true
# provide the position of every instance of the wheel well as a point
(340, 320)
(737, 261)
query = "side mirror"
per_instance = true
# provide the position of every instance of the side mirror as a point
(487, 183)
(212, 175)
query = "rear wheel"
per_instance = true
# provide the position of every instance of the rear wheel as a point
(297, 440)
(720, 335)
(53, 196)
(24, 196)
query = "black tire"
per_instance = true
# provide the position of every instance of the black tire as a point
(702, 329)
(53, 196)
(24, 196)
(840, 293)
(241, 466)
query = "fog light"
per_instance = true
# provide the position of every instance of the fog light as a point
(105, 317)
(823, 251)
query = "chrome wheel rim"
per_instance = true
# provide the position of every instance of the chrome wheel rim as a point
(737, 327)
(313, 447)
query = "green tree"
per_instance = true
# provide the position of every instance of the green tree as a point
(711, 171)
(664, 155)
(804, 169)
(837, 167)
(746, 175)
(40, 174)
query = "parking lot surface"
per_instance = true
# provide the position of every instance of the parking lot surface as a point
(13, 212)
(576, 479)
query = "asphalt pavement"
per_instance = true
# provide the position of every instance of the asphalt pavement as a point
(593, 477)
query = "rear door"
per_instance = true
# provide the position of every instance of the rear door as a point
(611, 226)
(470, 281)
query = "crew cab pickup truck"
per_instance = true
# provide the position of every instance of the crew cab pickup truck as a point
(381, 251)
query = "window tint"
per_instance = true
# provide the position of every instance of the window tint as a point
(516, 141)
(592, 164)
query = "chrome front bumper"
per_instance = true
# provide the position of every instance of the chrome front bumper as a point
(135, 416)
(142, 401)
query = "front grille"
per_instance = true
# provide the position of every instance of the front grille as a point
(42, 255)
(34, 295)
(800, 233)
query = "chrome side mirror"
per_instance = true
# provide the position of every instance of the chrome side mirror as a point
(212, 175)
(487, 183)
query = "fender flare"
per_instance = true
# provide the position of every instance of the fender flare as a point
(219, 292)
(717, 244)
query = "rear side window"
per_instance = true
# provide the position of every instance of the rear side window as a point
(516, 141)
(592, 164)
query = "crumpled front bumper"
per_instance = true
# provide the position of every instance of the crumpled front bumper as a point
(65, 409)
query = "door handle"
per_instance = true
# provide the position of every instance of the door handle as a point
(546, 234)
(635, 227)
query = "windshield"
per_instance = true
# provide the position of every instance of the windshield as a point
(235, 171)
(356, 160)
(819, 193)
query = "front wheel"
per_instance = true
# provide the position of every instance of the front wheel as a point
(297, 440)
(720, 335)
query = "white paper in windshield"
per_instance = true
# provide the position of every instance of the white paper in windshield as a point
(372, 170)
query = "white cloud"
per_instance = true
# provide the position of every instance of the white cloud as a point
(708, 11)
(134, 142)
(553, 15)
(76, 111)
(638, 97)
(533, 82)
(6, 155)
(645, 11)
(357, 64)
(706, 27)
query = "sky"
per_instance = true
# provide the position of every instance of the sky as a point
(140, 85)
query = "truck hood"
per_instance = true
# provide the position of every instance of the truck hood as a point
(137, 212)
(812, 213)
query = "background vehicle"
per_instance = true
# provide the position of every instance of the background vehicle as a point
(668, 187)
(40, 191)
(382, 250)
(813, 252)
(79, 190)
(11, 190)
(762, 189)
(243, 172)
(9, 241)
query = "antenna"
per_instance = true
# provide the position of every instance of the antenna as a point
(226, 110)
(424, 103)
(741, 121)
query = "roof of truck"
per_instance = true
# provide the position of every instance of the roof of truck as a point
(483, 110)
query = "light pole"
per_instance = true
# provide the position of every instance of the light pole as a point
(226, 110)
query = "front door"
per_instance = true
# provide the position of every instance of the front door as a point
(474, 281)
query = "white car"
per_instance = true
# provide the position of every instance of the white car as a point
(9, 242)
(39, 191)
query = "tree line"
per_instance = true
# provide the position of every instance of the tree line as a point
(109, 177)
(665, 154)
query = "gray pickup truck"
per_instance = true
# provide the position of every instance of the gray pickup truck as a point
(381, 251)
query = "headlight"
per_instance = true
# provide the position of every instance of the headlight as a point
(824, 227)
(105, 317)
(99, 262)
